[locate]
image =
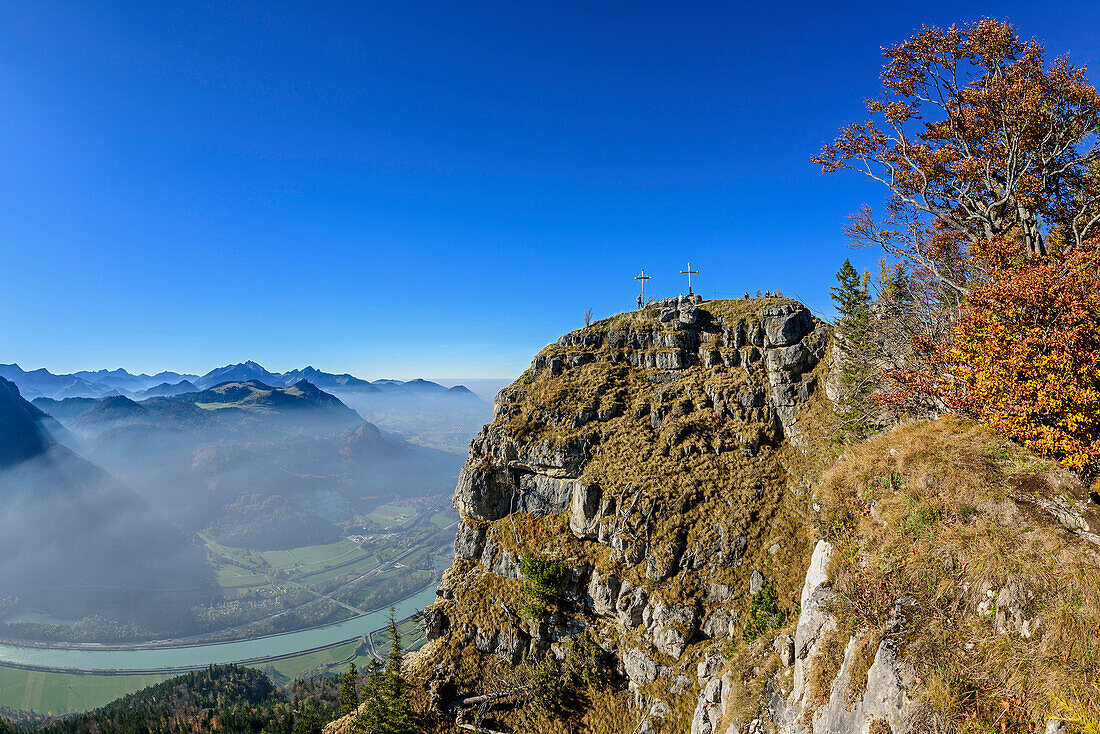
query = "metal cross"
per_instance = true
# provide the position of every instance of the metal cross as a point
(689, 273)
(643, 277)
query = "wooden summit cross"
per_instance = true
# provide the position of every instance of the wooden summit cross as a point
(689, 273)
(643, 277)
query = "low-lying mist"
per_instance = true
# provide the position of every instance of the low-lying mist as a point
(109, 523)
(73, 539)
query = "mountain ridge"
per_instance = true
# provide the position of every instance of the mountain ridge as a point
(21, 434)
(67, 519)
(106, 383)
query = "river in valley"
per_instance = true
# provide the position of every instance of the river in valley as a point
(150, 658)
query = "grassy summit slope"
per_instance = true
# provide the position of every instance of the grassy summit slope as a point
(990, 546)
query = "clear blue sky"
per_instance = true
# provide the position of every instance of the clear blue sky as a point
(421, 188)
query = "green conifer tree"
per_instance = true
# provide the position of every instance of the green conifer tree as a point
(348, 700)
(899, 289)
(853, 302)
(309, 723)
(850, 293)
(386, 708)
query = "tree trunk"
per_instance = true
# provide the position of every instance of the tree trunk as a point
(1034, 243)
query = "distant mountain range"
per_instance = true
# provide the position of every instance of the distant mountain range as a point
(227, 409)
(107, 477)
(167, 389)
(246, 459)
(98, 384)
(100, 498)
(420, 411)
(105, 383)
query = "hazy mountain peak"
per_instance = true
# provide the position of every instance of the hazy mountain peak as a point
(167, 389)
(241, 372)
(21, 435)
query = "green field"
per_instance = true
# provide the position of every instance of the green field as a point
(412, 638)
(393, 516)
(65, 693)
(239, 568)
(234, 577)
(313, 555)
(229, 556)
(443, 519)
(360, 566)
(291, 668)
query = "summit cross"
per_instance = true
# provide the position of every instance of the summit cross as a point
(643, 277)
(689, 273)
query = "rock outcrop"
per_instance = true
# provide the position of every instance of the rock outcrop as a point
(649, 453)
(657, 485)
(803, 697)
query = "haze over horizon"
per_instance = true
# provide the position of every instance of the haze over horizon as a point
(414, 190)
(447, 381)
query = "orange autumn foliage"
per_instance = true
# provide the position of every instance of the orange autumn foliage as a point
(976, 130)
(991, 159)
(1025, 357)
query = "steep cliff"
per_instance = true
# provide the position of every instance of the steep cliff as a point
(650, 455)
(660, 533)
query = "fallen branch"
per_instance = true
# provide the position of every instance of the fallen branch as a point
(463, 703)
(471, 727)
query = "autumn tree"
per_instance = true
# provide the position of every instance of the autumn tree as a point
(1026, 357)
(989, 157)
(975, 133)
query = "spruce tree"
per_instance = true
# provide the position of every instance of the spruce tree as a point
(853, 301)
(850, 293)
(386, 708)
(349, 696)
(372, 713)
(308, 724)
(900, 292)
(853, 332)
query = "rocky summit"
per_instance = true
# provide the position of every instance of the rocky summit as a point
(651, 454)
(661, 533)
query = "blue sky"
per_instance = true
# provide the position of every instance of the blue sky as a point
(415, 188)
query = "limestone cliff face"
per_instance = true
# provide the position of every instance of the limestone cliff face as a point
(791, 705)
(675, 469)
(651, 454)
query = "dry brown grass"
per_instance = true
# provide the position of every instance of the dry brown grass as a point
(753, 668)
(864, 659)
(880, 726)
(824, 668)
(944, 511)
(690, 474)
